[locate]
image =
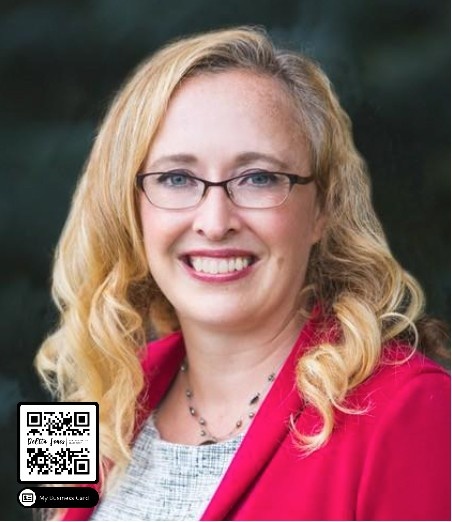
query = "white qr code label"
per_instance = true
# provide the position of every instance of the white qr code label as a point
(58, 442)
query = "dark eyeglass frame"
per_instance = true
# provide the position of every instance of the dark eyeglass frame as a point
(294, 179)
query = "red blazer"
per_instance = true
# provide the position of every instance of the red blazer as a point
(391, 463)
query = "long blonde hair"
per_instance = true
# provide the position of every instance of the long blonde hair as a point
(108, 301)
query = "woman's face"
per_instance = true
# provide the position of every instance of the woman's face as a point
(218, 126)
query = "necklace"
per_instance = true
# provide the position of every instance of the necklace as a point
(207, 436)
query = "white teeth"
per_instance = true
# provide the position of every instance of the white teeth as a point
(197, 264)
(214, 265)
(205, 265)
(223, 266)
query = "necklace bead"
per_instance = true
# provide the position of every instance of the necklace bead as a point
(255, 399)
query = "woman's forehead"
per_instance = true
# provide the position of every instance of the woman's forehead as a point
(233, 112)
(252, 86)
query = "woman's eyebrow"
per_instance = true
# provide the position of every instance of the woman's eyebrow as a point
(245, 158)
(171, 159)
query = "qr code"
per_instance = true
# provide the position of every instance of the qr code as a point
(58, 442)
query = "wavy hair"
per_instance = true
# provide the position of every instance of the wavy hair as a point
(108, 301)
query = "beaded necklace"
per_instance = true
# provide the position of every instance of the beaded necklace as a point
(207, 436)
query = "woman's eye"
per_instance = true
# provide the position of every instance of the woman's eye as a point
(175, 179)
(261, 179)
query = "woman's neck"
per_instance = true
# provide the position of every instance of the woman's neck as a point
(226, 367)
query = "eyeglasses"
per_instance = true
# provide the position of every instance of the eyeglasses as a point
(179, 189)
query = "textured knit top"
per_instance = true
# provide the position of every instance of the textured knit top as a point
(167, 481)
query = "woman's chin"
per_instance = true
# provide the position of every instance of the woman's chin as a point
(219, 316)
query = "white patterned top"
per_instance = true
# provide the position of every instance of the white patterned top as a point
(167, 481)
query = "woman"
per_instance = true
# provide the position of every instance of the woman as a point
(225, 209)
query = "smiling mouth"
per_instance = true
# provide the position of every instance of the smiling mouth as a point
(218, 265)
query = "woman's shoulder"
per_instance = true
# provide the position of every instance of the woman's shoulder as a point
(405, 437)
(407, 383)
(401, 364)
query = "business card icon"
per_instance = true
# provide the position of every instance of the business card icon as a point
(27, 497)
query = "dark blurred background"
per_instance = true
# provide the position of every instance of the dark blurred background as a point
(61, 62)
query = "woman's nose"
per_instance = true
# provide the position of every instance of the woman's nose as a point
(216, 216)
